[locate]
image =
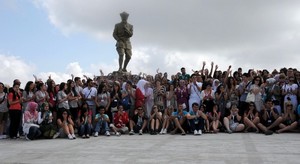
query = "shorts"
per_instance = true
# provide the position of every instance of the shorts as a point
(62, 134)
(3, 117)
(137, 128)
(233, 126)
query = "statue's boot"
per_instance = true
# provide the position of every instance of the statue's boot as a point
(120, 63)
(125, 64)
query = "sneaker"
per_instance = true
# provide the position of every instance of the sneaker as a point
(96, 134)
(140, 132)
(131, 132)
(118, 134)
(229, 131)
(83, 136)
(268, 132)
(165, 131)
(27, 138)
(161, 132)
(70, 137)
(107, 133)
(73, 135)
(87, 136)
(56, 135)
(199, 132)
(195, 132)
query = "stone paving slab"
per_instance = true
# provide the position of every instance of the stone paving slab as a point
(207, 148)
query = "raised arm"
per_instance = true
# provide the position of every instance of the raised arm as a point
(211, 69)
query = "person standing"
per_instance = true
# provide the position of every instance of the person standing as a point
(122, 33)
(15, 100)
(3, 110)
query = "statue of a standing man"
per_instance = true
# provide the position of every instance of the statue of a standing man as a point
(122, 33)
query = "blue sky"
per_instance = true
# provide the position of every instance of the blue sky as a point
(27, 33)
(63, 37)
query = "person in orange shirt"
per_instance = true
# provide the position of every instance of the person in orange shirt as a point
(15, 100)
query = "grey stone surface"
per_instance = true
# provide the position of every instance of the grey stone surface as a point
(208, 148)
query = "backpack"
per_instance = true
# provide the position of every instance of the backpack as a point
(126, 102)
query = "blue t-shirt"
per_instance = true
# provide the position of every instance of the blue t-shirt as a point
(105, 116)
(192, 113)
(179, 116)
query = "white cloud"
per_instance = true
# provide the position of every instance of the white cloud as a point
(184, 33)
(14, 67)
(72, 68)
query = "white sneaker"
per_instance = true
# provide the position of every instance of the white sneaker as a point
(73, 135)
(140, 132)
(70, 137)
(56, 135)
(195, 132)
(199, 132)
(118, 134)
(107, 133)
(96, 134)
(165, 131)
(161, 132)
(131, 132)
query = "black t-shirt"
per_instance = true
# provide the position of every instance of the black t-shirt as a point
(139, 120)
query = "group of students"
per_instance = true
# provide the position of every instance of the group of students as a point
(205, 102)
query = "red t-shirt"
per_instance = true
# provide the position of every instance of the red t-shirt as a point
(16, 106)
(121, 121)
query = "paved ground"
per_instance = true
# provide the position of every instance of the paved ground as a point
(208, 148)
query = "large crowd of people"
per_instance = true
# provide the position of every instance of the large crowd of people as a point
(205, 101)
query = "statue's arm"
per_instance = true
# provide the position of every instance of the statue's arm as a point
(115, 34)
(130, 31)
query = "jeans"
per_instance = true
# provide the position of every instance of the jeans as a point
(85, 129)
(34, 133)
(101, 126)
(197, 124)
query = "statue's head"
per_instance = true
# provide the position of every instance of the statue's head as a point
(124, 16)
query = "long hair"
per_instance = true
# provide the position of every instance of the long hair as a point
(62, 86)
(27, 87)
(15, 94)
(50, 88)
(100, 88)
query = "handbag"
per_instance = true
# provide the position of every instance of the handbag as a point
(250, 97)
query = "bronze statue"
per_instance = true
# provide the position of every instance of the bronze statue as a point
(122, 33)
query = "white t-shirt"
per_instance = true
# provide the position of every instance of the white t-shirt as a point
(289, 88)
(89, 93)
(195, 93)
